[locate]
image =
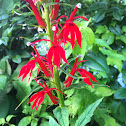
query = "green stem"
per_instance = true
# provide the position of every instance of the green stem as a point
(48, 23)
(55, 72)
(58, 86)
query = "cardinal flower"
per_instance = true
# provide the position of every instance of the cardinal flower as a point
(71, 28)
(27, 69)
(85, 74)
(39, 96)
(56, 52)
(41, 63)
(55, 10)
(36, 13)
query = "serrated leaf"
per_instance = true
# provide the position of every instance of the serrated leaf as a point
(9, 117)
(100, 16)
(102, 43)
(97, 62)
(120, 93)
(62, 115)
(85, 117)
(52, 122)
(25, 121)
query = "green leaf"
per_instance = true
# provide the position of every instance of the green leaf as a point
(2, 67)
(17, 59)
(113, 61)
(2, 121)
(117, 15)
(103, 91)
(100, 16)
(62, 115)
(4, 40)
(124, 28)
(4, 104)
(22, 90)
(85, 117)
(52, 122)
(120, 93)
(101, 29)
(9, 117)
(103, 118)
(34, 122)
(25, 121)
(97, 62)
(116, 30)
(25, 54)
(122, 38)
(6, 5)
(113, 54)
(108, 37)
(87, 39)
(3, 81)
(87, 35)
(102, 43)
(8, 68)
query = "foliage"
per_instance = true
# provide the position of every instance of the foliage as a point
(103, 46)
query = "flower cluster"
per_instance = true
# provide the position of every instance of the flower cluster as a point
(66, 33)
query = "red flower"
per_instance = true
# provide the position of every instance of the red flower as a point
(71, 28)
(85, 74)
(55, 10)
(56, 52)
(39, 96)
(27, 69)
(41, 63)
(37, 15)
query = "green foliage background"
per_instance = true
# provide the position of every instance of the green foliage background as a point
(103, 45)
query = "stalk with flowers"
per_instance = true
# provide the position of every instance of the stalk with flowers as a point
(58, 36)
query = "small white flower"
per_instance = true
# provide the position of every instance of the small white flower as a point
(78, 5)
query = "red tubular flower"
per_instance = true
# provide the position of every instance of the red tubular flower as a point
(39, 96)
(71, 28)
(56, 52)
(27, 69)
(55, 10)
(41, 63)
(36, 13)
(85, 74)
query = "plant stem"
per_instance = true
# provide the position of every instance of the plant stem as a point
(58, 86)
(49, 29)
(55, 72)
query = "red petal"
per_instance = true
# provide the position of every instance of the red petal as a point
(62, 54)
(78, 35)
(86, 79)
(39, 102)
